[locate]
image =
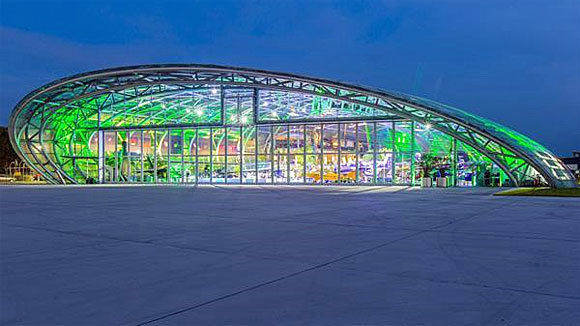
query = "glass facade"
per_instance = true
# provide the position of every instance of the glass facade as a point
(361, 152)
(199, 124)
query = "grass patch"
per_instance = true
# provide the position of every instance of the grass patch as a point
(551, 192)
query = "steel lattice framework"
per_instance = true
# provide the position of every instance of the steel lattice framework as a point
(49, 119)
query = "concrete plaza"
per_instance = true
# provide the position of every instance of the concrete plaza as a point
(172, 255)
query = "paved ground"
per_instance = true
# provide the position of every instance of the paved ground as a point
(287, 255)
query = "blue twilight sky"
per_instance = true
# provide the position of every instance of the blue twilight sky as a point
(516, 62)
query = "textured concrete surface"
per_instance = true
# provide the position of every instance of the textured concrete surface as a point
(286, 255)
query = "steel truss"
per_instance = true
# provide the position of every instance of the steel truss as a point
(88, 97)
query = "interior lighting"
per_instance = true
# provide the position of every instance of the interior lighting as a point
(427, 126)
(199, 112)
(214, 91)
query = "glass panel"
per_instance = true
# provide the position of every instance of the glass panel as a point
(347, 168)
(264, 169)
(330, 138)
(313, 169)
(203, 169)
(233, 168)
(204, 150)
(404, 151)
(296, 168)
(296, 139)
(264, 157)
(297, 153)
(403, 168)
(280, 153)
(365, 152)
(176, 148)
(148, 156)
(290, 106)
(476, 169)
(384, 152)
(204, 141)
(124, 166)
(110, 156)
(264, 139)
(313, 139)
(348, 138)
(162, 152)
(330, 174)
(135, 145)
(238, 104)
(434, 146)
(190, 144)
(200, 106)
(249, 159)
(218, 150)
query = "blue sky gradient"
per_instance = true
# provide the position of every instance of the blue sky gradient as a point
(515, 62)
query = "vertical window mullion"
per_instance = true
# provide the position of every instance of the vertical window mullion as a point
(256, 152)
(168, 174)
(393, 152)
(412, 153)
(141, 157)
(128, 154)
(374, 153)
(196, 156)
(356, 151)
(321, 154)
(241, 149)
(272, 154)
(304, 154)
(211, 155)
(182, 157)
(116, 175)
(155, 178)
(287, 154)
(339, 154)
(226, 155)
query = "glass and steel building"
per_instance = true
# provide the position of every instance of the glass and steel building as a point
(215, 124)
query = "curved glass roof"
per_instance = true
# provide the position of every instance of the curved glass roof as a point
(51, 120)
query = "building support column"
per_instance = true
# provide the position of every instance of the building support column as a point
(412, 153)
(321, 154)
(339, 152)
(211, 155)
(142, 177)
(182, 169)
(356, 151)
(393, 152)
(155, 177)
(287, 154)
(168, 174)
(304, 153)
(374, 153)
(226, 154)
(101, 155)
(256, 152)
(196, 156)
(454, 162)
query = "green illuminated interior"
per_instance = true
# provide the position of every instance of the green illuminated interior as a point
(173, 133)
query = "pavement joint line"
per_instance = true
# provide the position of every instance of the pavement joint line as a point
(154, 242)
(502, 288)
(94, 236)
(318, 266)
(315, 267)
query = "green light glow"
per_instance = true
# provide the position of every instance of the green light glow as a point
(56, 132)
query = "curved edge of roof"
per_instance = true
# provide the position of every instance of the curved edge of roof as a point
(442, 109)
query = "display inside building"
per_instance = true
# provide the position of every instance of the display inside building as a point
(212, 124)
